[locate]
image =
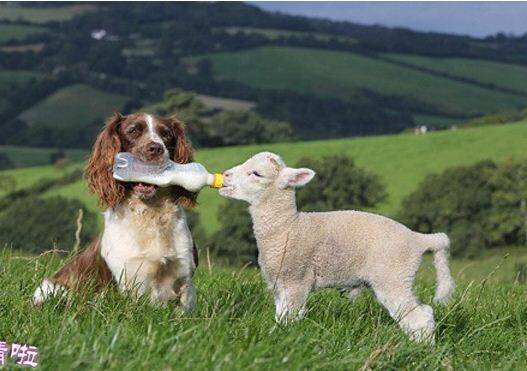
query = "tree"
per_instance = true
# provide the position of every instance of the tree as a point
(239, 127)
(339, 184)
(509, 203)
(458, 202)
(209, 129)
(5, 162)
(35, 225)
(235, 239)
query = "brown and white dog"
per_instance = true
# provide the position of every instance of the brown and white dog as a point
(146, 247)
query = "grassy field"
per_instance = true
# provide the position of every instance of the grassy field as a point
(18, 32)
(42, 15)
(31, 156)
(483, 327)
(75, 105)
(501, 74)
(402, 161)
(339, 74)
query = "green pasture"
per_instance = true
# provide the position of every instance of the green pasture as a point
(233, 328)
(74, 105)
(402, 161)
(42, 15)
(500, 74)
(340, 74)
(10, 32)
(32, 156)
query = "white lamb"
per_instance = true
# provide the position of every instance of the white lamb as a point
(351, 250)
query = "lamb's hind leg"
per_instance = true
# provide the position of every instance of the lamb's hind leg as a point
(290, 302)
(414, 318)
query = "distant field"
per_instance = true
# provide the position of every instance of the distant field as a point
(17, 32)
(10, 78)
(30, 156)
(273, 34)
(23, 48)
(42, 15)
(340, 74)
(75, 105)
(402, 161)
(501, 74)
(225, 103)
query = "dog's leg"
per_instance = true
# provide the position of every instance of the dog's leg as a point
(86, 269)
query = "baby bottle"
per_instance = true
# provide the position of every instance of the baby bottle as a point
(192, 176)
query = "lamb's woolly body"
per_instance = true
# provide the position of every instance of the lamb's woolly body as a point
(300, 252)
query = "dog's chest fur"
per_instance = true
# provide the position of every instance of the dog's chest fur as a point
(140, 244)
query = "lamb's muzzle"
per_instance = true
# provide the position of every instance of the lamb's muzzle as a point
(300, 252)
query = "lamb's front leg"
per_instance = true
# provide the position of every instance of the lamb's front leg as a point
(290, 302)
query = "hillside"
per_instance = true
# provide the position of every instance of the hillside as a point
(75, 105)
(364, 80)
(401, 161)
(340, 74)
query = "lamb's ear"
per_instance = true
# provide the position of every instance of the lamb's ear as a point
(290, 177)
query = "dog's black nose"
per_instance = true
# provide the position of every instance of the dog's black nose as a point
(155, 149)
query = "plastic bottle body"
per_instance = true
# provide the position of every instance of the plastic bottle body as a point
(193, 176)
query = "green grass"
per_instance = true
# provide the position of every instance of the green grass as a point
(483, 327)
(31, 156)
(501, 74)
(402, 161)
(75, 105)
(43, 15)
(340, 74)
(18, 32)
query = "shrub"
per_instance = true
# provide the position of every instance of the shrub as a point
(5, 162)
(35, 225)
(458, 202)
(508, 216)
(235, 240)
(339, 184)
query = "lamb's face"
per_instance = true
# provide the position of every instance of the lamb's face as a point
(261, 173)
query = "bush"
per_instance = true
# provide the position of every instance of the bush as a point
(458, 202)
(235, 240)
(509, 203)
(5, 162)
(35, 225)
(339, 184)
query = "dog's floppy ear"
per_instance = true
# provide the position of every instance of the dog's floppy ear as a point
(99, 167)
(183, 154)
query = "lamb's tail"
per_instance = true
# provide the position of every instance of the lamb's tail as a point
(439, 244)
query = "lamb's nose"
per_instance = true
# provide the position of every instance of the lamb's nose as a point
(155, 149)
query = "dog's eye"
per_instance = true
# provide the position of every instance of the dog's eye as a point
(255, 173)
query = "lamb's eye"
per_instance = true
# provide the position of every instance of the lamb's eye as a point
(255, 173)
